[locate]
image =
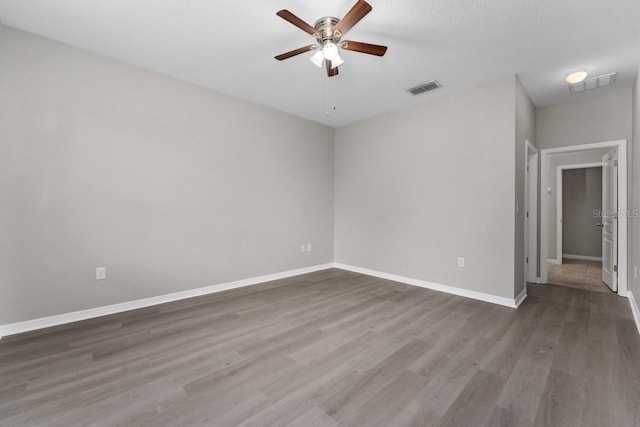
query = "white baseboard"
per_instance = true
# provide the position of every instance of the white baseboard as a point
(61, 319)
(582, 257)
(520, 298)
(507, 302)
(634, 309)
(553, 261)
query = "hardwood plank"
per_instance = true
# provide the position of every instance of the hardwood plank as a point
(348, 401)
(502, 417)
(476, 402)
(315, 417)
(333, 348)
(338, 360)
(414, 414)
(383, 405)
(562, 401)
(525, 385)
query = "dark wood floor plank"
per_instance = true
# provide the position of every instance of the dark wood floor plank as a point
(476, 402)
(344, 335)
(524, 387)
(351, 398)
(415, 414)
(286, 407)
(338, 360)
(333, 348)
(313, 417)
(562, 401)
(503, 356)
(502, 417)
(446, 382)
(382, 406)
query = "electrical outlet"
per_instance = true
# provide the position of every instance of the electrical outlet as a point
(303, 248)
(101, 273)
(308, 247)
(460, 261)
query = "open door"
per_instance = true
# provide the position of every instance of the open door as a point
(609, 221)
(531, 213)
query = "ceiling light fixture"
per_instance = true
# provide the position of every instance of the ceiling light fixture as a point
(328, 32)
(576, 77)
(337, 61)
(317, 59)
(330, 52)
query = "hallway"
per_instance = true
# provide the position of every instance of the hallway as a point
(578, 274)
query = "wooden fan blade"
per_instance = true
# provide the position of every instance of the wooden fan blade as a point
(371, 49)
(331, 72)
(288, 55)
(357, 12)
(290, 17)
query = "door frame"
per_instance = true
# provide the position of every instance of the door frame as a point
(559, 207)
(609, 188)
(531, 209)
(621, 145)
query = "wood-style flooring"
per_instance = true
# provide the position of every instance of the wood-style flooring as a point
(333, 348)
(578, 274)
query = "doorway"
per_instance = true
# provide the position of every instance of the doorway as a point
(579, 242)
(531, 214)
(549, 253)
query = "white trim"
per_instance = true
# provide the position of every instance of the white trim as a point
(634, 309)
(61, 319)
(507, 302)
(582, 257)
(520, 298)
(550, 261)
(531, 227)
(585, 147)
(559, 198)
(621, 145)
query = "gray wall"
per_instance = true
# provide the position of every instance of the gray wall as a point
(525, 130)
(605, 116)
(168, 185)
(600, 118)
(581, 195)
(634, 222)
(417, 188)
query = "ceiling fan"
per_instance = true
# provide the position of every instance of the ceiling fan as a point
(328, 32)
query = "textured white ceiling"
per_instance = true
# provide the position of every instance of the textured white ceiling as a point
(228, 46)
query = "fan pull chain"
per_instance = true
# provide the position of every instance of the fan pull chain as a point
(335, 82)
(329, 95)
(327, 98)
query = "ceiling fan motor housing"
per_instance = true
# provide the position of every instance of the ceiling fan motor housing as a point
(325, 30)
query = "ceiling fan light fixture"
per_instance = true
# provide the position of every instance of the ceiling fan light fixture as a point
(328, 32)
(317, 59)
(576, 76)
(330, 51)
(337, 61)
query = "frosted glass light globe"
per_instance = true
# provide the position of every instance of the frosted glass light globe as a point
(330, 51)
